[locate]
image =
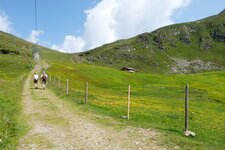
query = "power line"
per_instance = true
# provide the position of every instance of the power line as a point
(36, 50)
(35, 20)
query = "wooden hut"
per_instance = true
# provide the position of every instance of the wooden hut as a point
(128, 69)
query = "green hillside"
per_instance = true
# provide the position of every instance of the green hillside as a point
(181, 48)
(15, 63)
(157, 100)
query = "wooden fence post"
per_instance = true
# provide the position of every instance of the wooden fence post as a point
(50, 79)
(186, 108)
(86, 92)
(67, 86)
(128, 103)
(59, 80)
(54, 80)
(186, 131)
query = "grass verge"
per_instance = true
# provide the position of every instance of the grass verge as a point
(13, 71)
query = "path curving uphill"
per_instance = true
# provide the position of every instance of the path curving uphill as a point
(55, 125)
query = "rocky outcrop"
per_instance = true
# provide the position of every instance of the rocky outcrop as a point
(219, 35)
(191, 66)
(185, 35)
(125, 48)
(144, 39)
(158, 39)
(206, 42)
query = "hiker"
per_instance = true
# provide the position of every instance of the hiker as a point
(35, 80)
(44, 78)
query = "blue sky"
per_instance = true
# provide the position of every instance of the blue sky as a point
(79, 25)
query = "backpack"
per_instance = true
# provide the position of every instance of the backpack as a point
(44, 77)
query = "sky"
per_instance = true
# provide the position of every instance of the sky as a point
(73, 26)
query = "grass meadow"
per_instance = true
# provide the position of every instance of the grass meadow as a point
(157, 101)
(13, 71)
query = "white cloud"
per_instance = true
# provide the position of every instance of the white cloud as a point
(71, 44)
(99, 27)
(5, 24)
(111, 20)
(33, 37)
(134, 17)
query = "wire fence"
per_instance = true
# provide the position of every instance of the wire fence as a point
(84, 94)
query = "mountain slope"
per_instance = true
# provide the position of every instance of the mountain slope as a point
(156, 100)
(182, 48)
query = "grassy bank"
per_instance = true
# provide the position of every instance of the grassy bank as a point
(12, 74)
(157, 101)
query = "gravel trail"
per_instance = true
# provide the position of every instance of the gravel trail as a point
(54, 125)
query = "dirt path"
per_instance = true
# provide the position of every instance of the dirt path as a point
(55, 125)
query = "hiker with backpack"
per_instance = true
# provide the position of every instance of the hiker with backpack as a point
(36, 80)
(44, 78)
